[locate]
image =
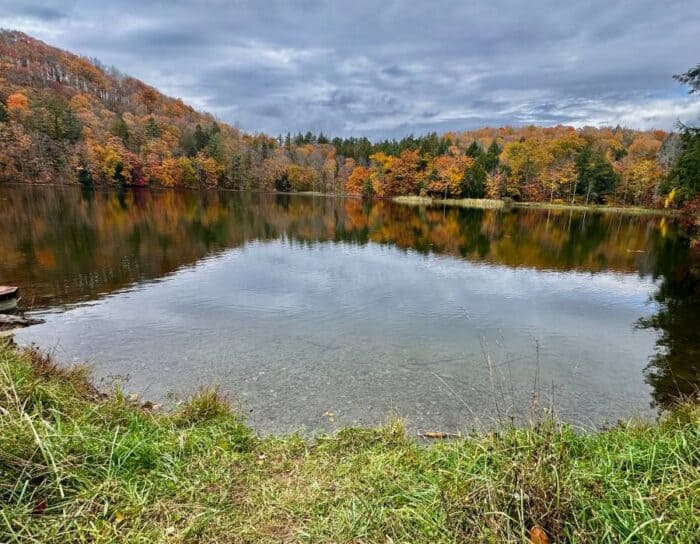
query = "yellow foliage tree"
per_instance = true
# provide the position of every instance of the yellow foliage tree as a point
(301, 178)
(209, 170)
(447, 174)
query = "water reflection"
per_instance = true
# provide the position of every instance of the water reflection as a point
(65, 245)
(674, 370)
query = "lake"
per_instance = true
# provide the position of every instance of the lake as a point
(318, 312)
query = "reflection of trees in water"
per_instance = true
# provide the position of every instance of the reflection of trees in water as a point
(674, 371)
(64, 245)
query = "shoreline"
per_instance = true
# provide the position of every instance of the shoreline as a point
(79, 464)
(409, 200)
(486, 203)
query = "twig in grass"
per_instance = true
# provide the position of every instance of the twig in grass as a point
(437, 435)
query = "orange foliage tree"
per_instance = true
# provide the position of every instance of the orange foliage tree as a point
(358, 181)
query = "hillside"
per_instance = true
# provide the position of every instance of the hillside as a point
(68, 119)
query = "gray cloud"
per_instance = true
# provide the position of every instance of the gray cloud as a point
(395, 68)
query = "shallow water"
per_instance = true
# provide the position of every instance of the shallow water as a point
(320, 312)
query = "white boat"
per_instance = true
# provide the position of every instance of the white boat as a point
(9, 298)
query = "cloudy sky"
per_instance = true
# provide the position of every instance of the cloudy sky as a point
(392, 67)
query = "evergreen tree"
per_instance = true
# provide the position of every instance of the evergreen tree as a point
(282, 184)
(685, 175)
(596, 175)
(84, 175)
(474, 150)
(120, 129)
(492, 158)
(691, 78)
(201, 138)
(152, 129)
(474, 181)
(216, 148)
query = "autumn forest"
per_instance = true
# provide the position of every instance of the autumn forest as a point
(69, 119)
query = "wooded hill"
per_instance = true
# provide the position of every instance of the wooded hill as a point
(69, 119)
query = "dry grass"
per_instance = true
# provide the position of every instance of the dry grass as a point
(492, 204)
(481, 203)
(627, 210)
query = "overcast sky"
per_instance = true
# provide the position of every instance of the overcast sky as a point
(392, 67)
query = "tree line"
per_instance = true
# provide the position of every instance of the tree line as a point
(69, 119)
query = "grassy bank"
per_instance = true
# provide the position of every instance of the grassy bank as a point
(629, 210)
(482, 203)
(485, 203)
(80, 466)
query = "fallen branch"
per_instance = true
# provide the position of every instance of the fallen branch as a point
(437, 435)
(18, 321)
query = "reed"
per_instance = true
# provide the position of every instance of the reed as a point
(481, 203)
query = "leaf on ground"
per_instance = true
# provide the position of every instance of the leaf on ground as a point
(538, 535)
(39, 508)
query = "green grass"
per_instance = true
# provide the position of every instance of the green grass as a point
(80, 466)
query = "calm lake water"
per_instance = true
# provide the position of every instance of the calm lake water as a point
(317, 312)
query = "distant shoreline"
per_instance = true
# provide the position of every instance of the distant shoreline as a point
(496, 204)
(410, 200)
